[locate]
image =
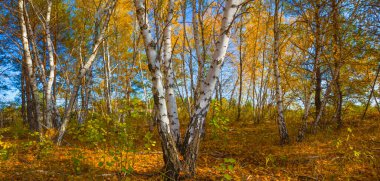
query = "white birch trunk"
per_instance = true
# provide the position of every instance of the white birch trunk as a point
(49, 101)
(188, 100)
(29, 66)
(303, 128)
(197, 47)
(106, 68)
(284, 137)
(169, 75)
(193, 134)
(190, 145)
(171, 154)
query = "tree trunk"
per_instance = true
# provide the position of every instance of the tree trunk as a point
(193, 134)
(317, 67)
(171, 153)
(325, 99)
(371, 93)
(197, 50)
(233, 93)
(29, 67)
(284, 137)
(106, 70)
(169, 75)
(23, 94)
(262, 89)
(30, 112)
(337, 62)
(240, 68)
(87, 66)
(49, 100)
(188, 98)
(302, 130)
(191, 142)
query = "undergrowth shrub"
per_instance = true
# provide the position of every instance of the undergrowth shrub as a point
(114, 140)
(227, 168)
(18, 129)
(76, 158)
(353, 152)
(218, 121)
(120, 160)
(93, 131)
(44, 148)
(148, 141)
(6, 148)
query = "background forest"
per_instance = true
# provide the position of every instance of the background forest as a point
(190, 89)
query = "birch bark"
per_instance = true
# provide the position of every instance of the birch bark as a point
(190, 145)
(106, 70)
(284, 137)
(29, 66)
(169, 75)
(337, 46)
(171, 153)
(197, 47)
(193, 134)
(49, 101)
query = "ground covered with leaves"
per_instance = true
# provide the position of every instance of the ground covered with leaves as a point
(233, 151)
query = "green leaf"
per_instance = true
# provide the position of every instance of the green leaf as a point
(100, 164)
(75, 160)
(223, 166)
(127, 171)
(227, 177)
(123, 169)
(230, 167)
(109, 164)
(229, 160)
(130, 169)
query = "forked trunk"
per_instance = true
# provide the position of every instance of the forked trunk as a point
(190, 145)
(325, 99)
(169, 146)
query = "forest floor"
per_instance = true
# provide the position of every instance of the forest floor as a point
(242, 152)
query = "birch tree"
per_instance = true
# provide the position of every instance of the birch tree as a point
(49, 88)
(104, 12)
(317, 56)
(284, 137)
(169, 75)
(196, 18)
(241, 58)
(184, 158)
(337, 49)
(107, 72)
(29, 66)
